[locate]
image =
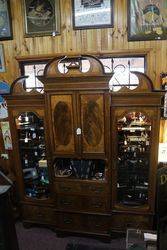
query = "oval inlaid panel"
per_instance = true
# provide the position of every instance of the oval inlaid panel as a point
(92, 123)
(62, 123)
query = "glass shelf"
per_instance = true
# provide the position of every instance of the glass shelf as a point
(31, 138)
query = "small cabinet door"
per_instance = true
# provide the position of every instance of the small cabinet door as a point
(92, 123)
(62, 124)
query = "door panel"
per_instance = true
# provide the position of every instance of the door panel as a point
(132, 132)
(63, 123)
(92, 123)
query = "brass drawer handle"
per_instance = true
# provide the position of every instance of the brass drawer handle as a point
(40, 215)
(67, 221)
(97, 205)
(96, 190)
(65, 189)
(64, 202)
(97, 225)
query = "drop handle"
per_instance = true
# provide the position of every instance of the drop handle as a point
(66, 203)
(78, 131)
(97, 205)
(66, 189)
(67, 221)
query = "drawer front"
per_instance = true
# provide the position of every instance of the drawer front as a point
(122, 222)
(38, 214)
(68, 221)
(83, 223)
(82, 203)
(99, 224)
(66, 202)
(98, 189)
(67, 188)
(95, 204)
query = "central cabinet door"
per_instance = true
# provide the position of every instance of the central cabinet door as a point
(77, 124)
(63, 116)
(92, 123)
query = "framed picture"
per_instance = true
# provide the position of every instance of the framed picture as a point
(42, 17)
(2, 60)
(147, 20)
(88, 14)
(5, 20)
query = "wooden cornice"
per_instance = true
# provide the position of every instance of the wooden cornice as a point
(113, 53)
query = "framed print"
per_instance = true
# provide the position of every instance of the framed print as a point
(2, 60)
(6, 135)
(5, 20)
(42, 17)
(4, 89)
(147, 20)
(88, 14)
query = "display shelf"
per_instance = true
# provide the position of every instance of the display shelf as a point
(80, 168)
(133, 159)
(32, 150)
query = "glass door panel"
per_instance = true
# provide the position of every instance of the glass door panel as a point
(134, 132)
(31, 137)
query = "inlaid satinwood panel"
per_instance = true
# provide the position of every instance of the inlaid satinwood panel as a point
(92, 123)
(62, 123)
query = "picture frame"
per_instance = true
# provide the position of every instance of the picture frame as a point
(6, 32)
(147, 20)
(2, 60)
(92, 14)
(41, 17)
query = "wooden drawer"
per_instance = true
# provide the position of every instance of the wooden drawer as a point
(122, 222)
(98, 189)
(38, 214)
(82, 203)
(83, 188)
(67, 202)
(97, 224)
(83, 223)
(67, 187)
(68, 221)
(95, 204)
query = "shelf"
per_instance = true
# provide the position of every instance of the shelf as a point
(30, 128)
(79, 180)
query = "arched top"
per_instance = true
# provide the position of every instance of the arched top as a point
(18, 87)
(73, 67)
(144, 83)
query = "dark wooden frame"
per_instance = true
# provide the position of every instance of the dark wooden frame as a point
(94, 26)
(141, 36)
(8, 23)
(51, 28)
(2, 59)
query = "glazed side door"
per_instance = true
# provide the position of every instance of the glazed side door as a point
(29, 144)
(134, 148)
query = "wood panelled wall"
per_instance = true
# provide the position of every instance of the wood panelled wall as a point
(80, 41)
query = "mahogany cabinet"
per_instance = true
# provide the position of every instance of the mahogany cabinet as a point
(101, 149)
